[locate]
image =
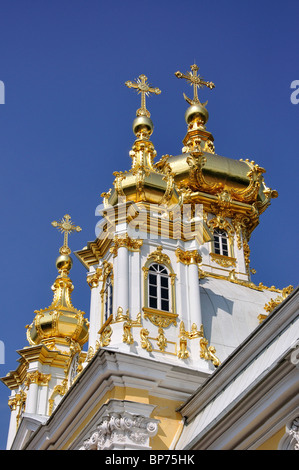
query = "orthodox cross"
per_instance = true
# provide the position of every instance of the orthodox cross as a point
(143, 87)
(66, 227)
(196, 81)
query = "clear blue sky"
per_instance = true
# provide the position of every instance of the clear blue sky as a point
(66, 125)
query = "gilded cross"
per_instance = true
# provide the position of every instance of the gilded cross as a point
(66, 227)
(143, 87)
(196, 81)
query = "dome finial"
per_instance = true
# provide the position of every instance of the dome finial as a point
(66, 226)
(196, 81)
(64, 262)
(143, 87)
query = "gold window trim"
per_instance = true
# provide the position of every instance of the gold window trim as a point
(160, 258)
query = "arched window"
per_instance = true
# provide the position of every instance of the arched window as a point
(158, 287)
(108, 297)
(220, 242)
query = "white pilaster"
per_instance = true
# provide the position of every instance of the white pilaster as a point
(123, 275)
(31, 401)
(194, 295)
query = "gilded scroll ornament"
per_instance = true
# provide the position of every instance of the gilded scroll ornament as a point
(127, 336)
(144, 341)
(185, 335)
(18, 403)
(196, 161)
(273, 303)
(158, 256)
(105, 336)
(249, 194)
(61, 390)
(183, 351)
(161, 340)
(208, 352)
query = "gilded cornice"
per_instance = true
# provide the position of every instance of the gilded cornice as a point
(94, 251)
(40, 354)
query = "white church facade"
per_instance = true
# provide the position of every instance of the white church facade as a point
(181, 351)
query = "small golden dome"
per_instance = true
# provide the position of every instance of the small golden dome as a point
(143, 124)
(196, 111)
(61, 323)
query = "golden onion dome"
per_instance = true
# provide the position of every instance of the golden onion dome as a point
(61, 323)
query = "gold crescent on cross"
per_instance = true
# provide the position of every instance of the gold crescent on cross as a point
(196, 81)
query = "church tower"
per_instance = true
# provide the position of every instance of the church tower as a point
(171, 296)
(54, 357)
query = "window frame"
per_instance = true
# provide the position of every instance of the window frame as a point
(153, 259)
(108, 297)
(159, 301)
(221, 246)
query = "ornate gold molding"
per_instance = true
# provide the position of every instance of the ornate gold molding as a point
(162, 320)
(249, 194)
(125, 241)
(18, 403)
(127, 328)
(184, 336)
(144, 341)
(225, 261)
(188, 257)
(60, 389)
(273, 303)
(94, 279)
(36, 377)
(208, 352)
(105, 336)
(158, 256)
(159, 317)
(196, 161)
